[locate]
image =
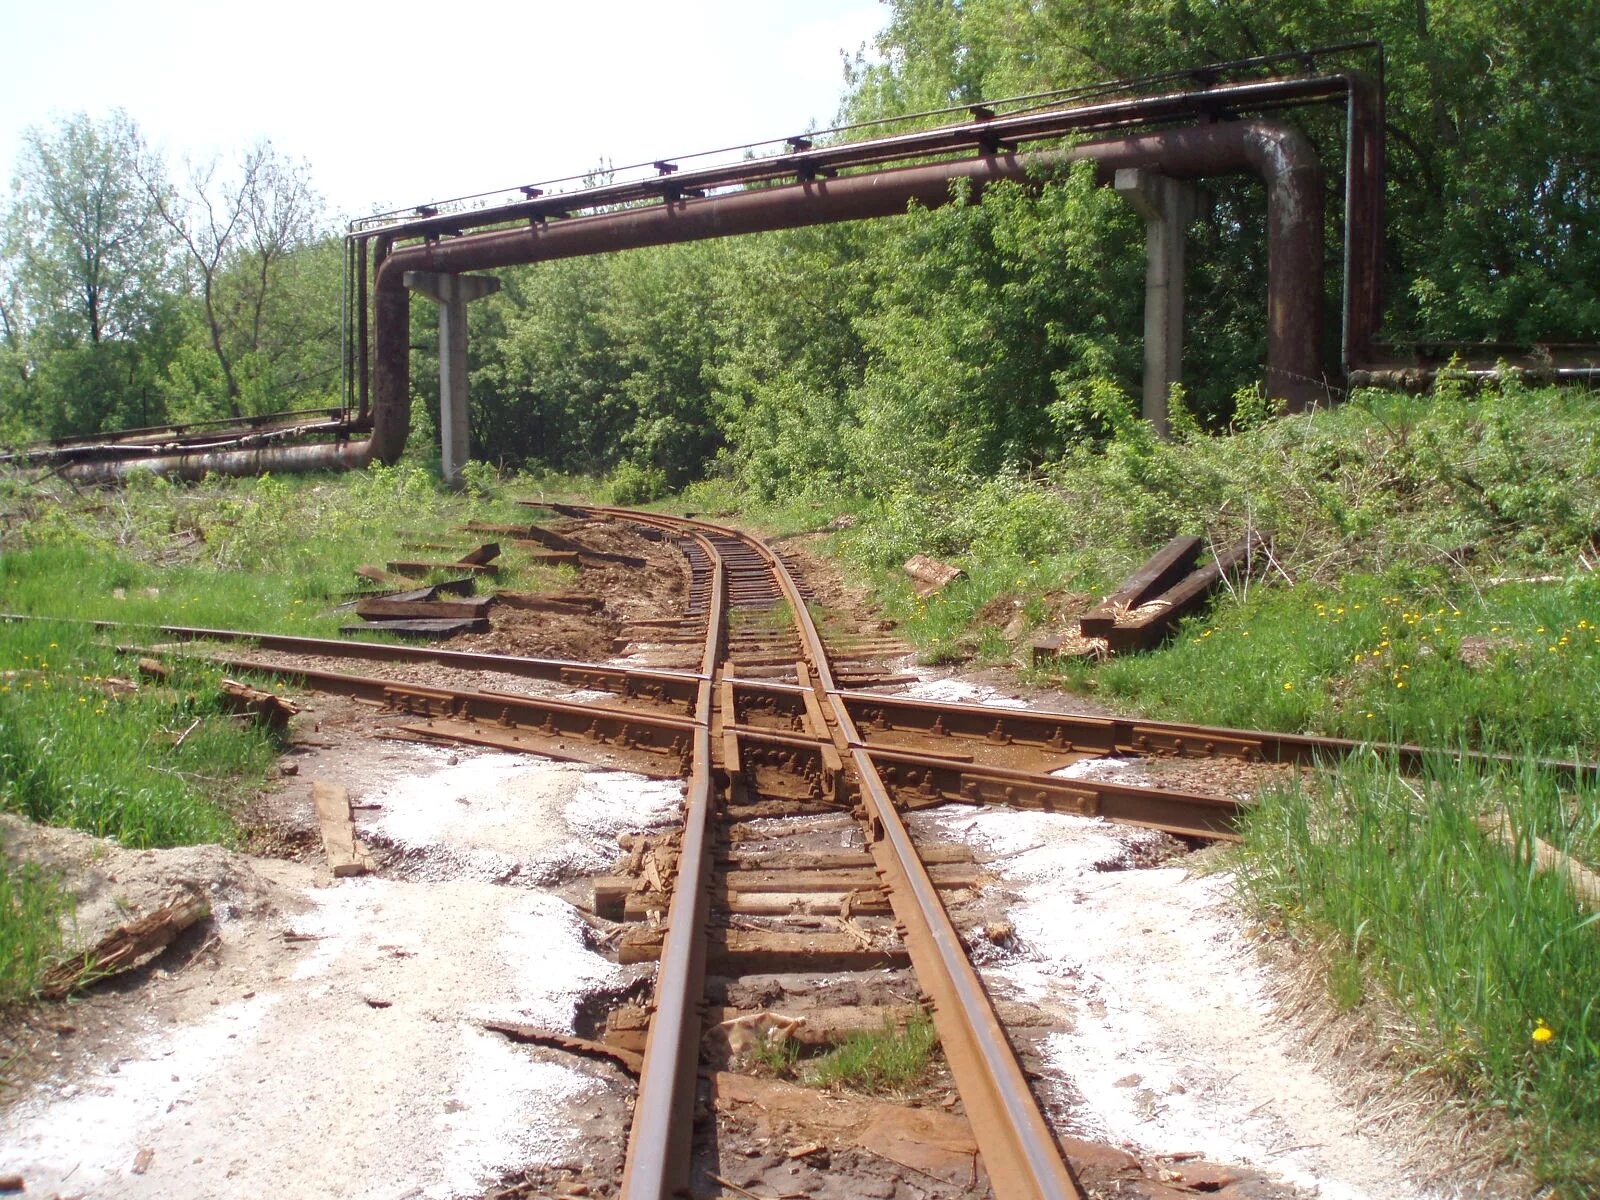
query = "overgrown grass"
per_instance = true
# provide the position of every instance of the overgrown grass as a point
(890, 1061)
(1495, 965)
(32, 910)
(1455, 665)
(271, 554)
(75, 751)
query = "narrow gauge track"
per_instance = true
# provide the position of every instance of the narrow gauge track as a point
(803, 739)
(1015, 1140)
(1018, 1148)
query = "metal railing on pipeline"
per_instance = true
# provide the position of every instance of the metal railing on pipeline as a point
(1213, 91)
(650, 179)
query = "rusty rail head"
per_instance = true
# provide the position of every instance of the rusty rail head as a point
(1019, 1150)
(661, 1134)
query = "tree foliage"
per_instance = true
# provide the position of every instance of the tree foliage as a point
(962, 342)
(128, 300)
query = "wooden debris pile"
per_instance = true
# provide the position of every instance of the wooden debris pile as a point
(125, 947)
(439, 610)
(1148, 606)
(931, 574)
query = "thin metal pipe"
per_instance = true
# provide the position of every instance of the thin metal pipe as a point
(363, 339)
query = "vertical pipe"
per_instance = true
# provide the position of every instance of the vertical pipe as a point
(1363, 220)
(346, 376)
(363, 351)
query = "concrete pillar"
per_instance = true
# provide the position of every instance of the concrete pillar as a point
(452, 293)
(1167, 206)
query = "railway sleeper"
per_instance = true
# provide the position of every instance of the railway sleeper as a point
(752, 952)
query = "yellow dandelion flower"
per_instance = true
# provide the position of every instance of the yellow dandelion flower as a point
(1288, 687)
(1542, 1033)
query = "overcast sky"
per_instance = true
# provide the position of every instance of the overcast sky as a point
(401, 101)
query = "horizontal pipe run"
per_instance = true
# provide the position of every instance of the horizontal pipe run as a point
(195, 466)
(1280, 155)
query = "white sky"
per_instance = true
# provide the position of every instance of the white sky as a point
(398, 101)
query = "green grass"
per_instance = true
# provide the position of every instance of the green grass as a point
(890, 1061)
(1475, 947)
(265, 554)
(32, 910)
(270, 554)
(1510, 666)
(72, 754)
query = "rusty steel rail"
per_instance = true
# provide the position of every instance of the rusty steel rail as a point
(1019, 1149)
(679, 688)
(1045, 730)
(1042, 729)
(661, 1133)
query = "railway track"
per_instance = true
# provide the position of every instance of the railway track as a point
(792, 742)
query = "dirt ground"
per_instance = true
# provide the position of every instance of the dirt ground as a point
(325, 1038)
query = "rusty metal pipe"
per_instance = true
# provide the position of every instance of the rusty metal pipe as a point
(274, 460)
(1280, 155)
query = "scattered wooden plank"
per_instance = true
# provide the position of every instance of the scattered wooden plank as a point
(421, 628)
(346, 854)
(550, 539)
(546, 558)
(830, 1025)
(757, 952)
(572, 603)
(272, 710)
(1163, 569)
(490, 527)
(933, 575)
(631, 1061)
(380, 608)
(1145, 626)
(481, 556)
(944, 875)
(1067, 645)
(125, 946)
(379, 575)
(925, 1140)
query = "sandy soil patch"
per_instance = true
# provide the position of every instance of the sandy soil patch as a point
(328, 1044)
(1169, 1038)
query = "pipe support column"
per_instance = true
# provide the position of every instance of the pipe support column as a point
(1167, 206)
(452, 293)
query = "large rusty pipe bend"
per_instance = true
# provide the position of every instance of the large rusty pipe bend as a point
(1280, 155)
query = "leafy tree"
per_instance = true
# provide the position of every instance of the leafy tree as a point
(1494, 200)
(90, 312)
(85, 233)
(239, 235)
